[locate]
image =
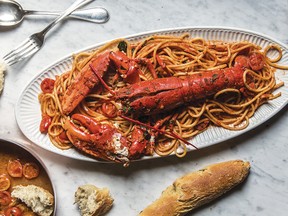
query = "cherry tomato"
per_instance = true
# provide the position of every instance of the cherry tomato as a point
(47, 85)
(14, 168)
(13, 211)
(109, 110)
(242, 61)
(31, 170)
(45, 123)
(4, 182)
(256, 61)
(5, 198)
(63, 136)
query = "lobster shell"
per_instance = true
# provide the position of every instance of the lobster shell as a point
(164, 94)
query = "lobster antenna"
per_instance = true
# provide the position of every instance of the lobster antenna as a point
(101, 80)
(159, 130)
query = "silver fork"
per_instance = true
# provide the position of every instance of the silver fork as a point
(36, 41)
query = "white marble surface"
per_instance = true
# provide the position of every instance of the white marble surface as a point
(266, 190)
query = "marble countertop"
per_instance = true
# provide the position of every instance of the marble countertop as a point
(266, 190)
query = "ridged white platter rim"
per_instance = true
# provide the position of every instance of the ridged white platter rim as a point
(28, 114)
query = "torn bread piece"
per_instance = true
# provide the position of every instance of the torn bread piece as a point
(3, 68)
(38, 199)
(93, 201)
(198, 188)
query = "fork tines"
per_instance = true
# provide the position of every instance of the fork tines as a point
(24, 50)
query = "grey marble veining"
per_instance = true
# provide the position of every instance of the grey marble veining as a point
(266, 190)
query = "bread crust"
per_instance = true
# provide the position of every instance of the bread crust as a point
(93, 201)
(198, 188)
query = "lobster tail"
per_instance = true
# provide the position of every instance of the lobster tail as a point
(164, 94)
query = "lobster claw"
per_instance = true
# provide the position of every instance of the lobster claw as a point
(84, 82)
(139, 143)
(102, 141)
(128, 68)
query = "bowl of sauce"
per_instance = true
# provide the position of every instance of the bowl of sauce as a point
(21, 166)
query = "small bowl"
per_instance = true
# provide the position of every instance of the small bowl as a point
(24, 153)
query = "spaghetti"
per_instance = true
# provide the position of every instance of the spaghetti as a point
(170, 56)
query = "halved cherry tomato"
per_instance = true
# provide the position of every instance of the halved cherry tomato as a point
(14, 168)
(47, 85)
(4, 182)
(13, 211)
(5, 198)
(256, 61)
(109, 110)
(242, 61)
(63, 136)
(45, 123)
(31, 170)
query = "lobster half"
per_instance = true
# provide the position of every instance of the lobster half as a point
(87, 78)
(103, 140)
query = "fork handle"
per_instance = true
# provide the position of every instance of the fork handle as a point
(66, 13)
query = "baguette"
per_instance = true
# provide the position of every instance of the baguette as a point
(38, 199)
(93, 201)
(198, 188)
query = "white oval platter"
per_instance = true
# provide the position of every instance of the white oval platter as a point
(28, 114)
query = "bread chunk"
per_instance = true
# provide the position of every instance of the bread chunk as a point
(38, 199)
(198, 188)
(93, 201)
(3, 67)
